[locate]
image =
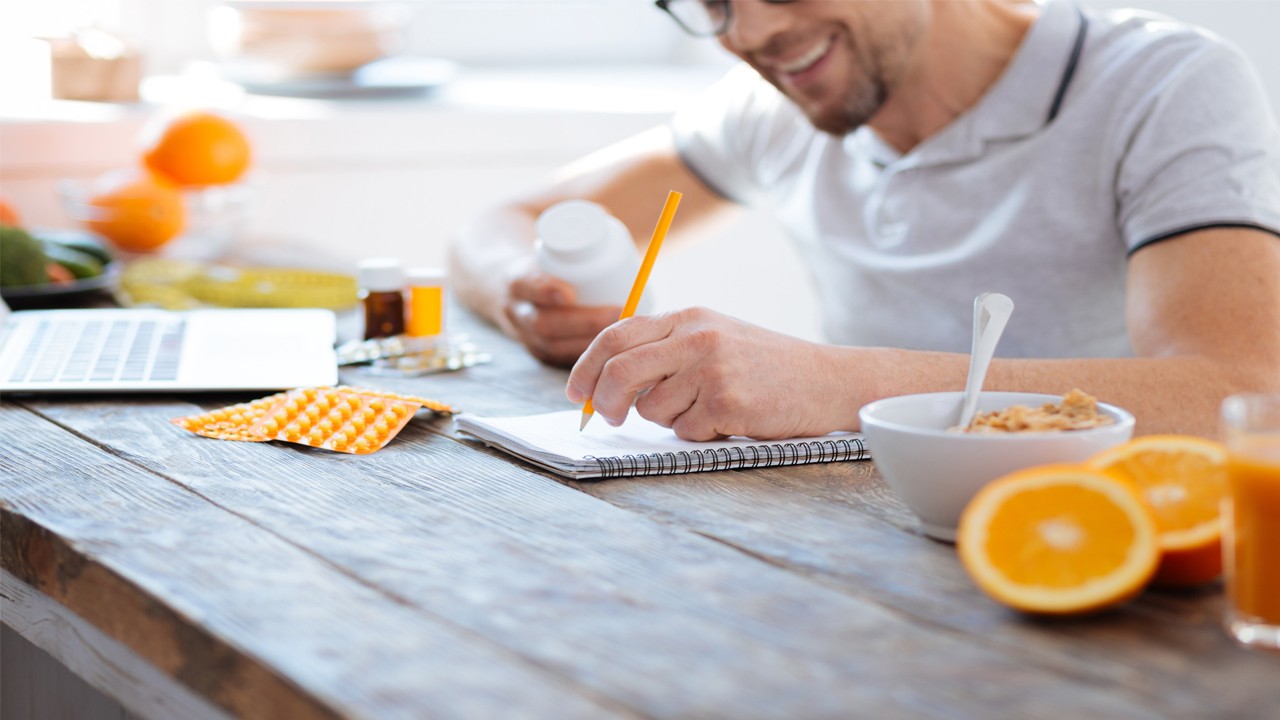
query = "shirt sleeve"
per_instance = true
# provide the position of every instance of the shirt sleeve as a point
(732, 133)
(1203, 150)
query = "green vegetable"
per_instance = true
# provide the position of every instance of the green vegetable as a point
(81, 264)
(81, 244)
(22, 258)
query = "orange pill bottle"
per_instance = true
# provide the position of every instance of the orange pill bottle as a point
(426, 302)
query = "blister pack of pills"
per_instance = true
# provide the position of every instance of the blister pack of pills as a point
(234, 422)
(342, 419)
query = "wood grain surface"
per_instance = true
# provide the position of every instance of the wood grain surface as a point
(440, 578)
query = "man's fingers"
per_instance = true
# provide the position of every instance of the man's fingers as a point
(626, 358)
(563, 346)
(696, 424)
(667, 400)
(560, 322)
(541, 289)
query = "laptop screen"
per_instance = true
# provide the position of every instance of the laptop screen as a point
(146, 350)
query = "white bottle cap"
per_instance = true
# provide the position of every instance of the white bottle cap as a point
(426, 276)
(380, 274)
(572, 225)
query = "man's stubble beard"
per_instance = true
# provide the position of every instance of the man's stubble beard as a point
(879, 72)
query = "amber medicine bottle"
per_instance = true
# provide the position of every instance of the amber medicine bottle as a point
(382, 294)
(426, 302)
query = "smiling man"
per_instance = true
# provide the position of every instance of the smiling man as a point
(1117, 175)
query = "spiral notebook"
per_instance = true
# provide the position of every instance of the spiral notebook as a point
(639, 447)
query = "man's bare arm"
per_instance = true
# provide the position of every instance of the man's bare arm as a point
(491, 258)
(1203, 311)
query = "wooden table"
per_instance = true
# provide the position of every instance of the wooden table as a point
(188, 577)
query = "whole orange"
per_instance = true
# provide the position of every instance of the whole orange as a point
(137, 210)
(198, 147)
(9, 216)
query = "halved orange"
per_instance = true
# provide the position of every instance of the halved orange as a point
(1183, 480)
(1058, 540)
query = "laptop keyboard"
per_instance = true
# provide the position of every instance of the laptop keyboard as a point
(102, 351)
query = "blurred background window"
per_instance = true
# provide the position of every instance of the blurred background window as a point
(171, 34)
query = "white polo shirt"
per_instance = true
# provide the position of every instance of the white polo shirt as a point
(1106, 133)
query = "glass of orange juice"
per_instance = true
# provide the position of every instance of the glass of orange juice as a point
(1251, 541)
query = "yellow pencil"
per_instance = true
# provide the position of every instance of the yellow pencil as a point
(642, 277)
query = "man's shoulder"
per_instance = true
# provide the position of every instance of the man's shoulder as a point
(1136, 40)
(1135, 57)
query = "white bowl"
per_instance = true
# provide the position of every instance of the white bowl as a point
(936, 472)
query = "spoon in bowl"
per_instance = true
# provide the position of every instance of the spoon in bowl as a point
(991, 313)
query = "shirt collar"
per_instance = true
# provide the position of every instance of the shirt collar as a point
(1024, 98)
(1021, 102)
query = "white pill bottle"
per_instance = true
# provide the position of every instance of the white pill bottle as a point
(581, 243)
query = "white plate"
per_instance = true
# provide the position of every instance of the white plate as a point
(386, 77)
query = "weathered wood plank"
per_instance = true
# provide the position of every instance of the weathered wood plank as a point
(106, 664)
(659, 619)
(237, 614)
(1169, 649)
(841, 524)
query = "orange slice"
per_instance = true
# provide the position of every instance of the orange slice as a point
(1183, 480)
(1058, 540)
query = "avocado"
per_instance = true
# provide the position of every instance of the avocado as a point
(22, 258)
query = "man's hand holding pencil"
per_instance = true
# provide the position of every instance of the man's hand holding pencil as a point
(708, 375)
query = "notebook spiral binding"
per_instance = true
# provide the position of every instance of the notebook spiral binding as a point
(775, 455)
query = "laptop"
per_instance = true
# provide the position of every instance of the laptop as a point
(143, 350)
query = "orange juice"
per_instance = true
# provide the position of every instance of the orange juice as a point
(1252, 541)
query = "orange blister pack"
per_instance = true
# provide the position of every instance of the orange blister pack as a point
(342, 419)
(337, 419)
(234, 422)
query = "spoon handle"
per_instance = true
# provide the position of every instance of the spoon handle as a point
(991, 313)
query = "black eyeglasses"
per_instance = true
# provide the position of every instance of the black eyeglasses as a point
(703, 18)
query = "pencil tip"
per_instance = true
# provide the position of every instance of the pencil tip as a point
(586, 418)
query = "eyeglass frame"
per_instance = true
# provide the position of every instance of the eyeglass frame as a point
(720, 29)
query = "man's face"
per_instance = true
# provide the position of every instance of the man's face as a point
(837, 59)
